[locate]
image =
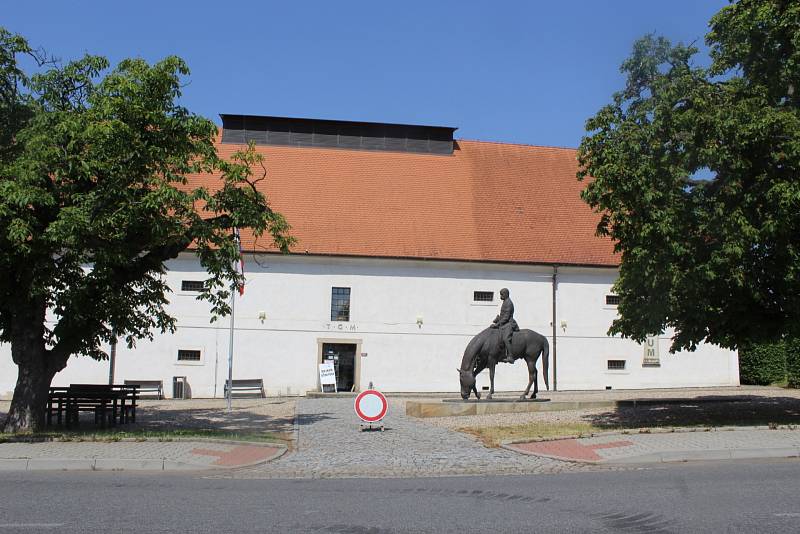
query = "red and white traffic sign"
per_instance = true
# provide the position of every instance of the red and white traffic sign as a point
(371, 406)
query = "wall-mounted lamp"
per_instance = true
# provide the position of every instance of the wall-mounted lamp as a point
(419, 321)
(262, 316)
(563, 325)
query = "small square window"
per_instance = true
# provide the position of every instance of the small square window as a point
(192, 285)
(483, 296)
(616, 365)
(612, 300)
(188, 355)
(340, 304)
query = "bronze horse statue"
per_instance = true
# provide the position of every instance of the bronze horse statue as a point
(486, 349)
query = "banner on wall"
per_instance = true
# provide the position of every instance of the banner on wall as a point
(651, 356)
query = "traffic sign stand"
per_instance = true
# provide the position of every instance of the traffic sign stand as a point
(371, 407)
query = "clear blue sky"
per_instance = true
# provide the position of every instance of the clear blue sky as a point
(522, 72)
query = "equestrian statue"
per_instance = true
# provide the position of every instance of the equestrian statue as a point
(503, 342)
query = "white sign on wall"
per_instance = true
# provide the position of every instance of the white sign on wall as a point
(327, 376)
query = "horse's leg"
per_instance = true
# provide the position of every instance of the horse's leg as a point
(535, 381)
(475, 390)
(491, 382)
(531, 378)
(477, 370)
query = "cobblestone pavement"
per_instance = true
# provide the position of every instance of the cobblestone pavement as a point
(327, 440)
(331, 444)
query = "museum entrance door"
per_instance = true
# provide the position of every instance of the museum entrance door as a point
(343, 357)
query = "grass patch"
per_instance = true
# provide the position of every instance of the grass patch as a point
(143, 435)
(648, 419)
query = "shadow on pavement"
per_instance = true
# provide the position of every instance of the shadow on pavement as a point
(703, 411)
(311, 418)
(252, 417)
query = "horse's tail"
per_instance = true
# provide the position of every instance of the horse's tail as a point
(546, 362)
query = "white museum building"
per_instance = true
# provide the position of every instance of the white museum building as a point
(405, 238)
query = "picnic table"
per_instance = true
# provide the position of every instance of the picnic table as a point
(109, 403)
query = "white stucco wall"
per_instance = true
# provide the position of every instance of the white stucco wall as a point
(387, 296)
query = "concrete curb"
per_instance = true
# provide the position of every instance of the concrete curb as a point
(706, 454)
(131, 464)
(551, 456)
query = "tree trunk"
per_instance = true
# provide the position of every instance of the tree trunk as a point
(27, 413)
(36, 368)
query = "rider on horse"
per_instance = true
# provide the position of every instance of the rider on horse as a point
(506, 323)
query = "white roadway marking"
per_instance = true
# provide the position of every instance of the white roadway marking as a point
(31, 525)
(788, 514)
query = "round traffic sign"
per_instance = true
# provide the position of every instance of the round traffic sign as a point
(371, 405)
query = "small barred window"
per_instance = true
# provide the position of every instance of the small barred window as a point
(483, 296)
(192, 285)
(188, 355)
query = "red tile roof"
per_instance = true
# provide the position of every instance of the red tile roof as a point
(488, 202)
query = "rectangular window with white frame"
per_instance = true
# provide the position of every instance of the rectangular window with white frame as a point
(482, 298)
(190, 357)
(616, 365)
(192, 286)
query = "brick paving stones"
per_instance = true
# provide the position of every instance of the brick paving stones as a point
(135, 454)
(669, 446)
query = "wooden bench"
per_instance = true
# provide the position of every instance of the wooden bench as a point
(56, 404)
(252, 386)
(101, 399)
(129, 394)
(109, 403)
(148, 387)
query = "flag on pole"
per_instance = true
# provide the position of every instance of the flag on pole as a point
(240, 263)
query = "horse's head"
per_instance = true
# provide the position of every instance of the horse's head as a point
(467, 379)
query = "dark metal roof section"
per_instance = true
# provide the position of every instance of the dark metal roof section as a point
(241, 129)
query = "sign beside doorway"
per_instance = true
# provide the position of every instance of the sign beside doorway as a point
(327, 377)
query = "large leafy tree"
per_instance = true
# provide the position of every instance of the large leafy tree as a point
(695, 172)
(94, 199)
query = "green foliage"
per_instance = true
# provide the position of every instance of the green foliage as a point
(94, 198)
(793, 362)
(716, 259)
(763, 364)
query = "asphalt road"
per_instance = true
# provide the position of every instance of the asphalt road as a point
(711, 497)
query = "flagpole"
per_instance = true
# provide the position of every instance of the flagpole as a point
(230, 347)
(236, 285)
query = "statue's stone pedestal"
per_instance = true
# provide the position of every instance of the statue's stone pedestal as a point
(483, 399)
(456, 407)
